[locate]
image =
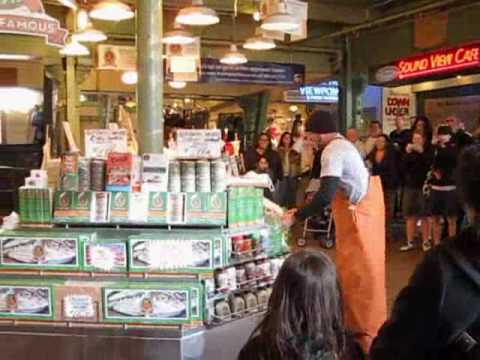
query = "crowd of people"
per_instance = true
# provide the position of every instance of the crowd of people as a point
(322, 311)
(415, 163)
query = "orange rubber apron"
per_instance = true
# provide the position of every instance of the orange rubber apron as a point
(360, 259)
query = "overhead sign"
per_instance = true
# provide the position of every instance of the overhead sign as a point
(262, 73)
(28, 17)
(327, 92)
(442, 61)
(115, 57)
(199, 144)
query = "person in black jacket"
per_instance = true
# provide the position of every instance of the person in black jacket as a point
(440, 306)
(304, 320)
(416, 165)
(460, 136)
(383, 162)
(443, 195)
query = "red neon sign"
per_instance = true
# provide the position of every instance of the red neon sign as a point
(439, 62)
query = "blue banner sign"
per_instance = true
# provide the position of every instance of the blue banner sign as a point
(261, 73)
(327, 92)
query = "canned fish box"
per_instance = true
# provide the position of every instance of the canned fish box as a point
(119, 207)
(119, 171)
(157, 208)
(63, 204)
(206, 209)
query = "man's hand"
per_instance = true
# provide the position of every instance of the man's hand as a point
(289, 218)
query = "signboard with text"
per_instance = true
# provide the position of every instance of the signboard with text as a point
(28, 17)
(396, 106)
(199, 144)
(444, 61)
(327, 92)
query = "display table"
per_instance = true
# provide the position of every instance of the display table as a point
(35, 343)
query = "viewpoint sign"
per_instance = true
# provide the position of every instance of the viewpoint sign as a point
(28, 17)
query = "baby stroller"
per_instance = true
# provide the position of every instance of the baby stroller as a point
(322, 225)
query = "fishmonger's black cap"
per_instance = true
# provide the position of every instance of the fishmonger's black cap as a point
(321, 122)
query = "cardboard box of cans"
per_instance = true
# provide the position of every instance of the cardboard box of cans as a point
(154, 208)
(156, 302)
(35, 205)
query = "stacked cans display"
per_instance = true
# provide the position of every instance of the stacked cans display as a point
(203, 179)
(174, 179)
(218, 170)
(84, 171)
(97, 174)
(188, 176)
(69, 172)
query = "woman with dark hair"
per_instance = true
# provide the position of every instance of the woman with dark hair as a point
(437, 316)
(291, 164)
(423, 126)
(264, 147)
(304, 320)
(383, 162)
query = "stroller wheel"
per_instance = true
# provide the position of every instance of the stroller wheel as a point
(328, 244)
(301, 242)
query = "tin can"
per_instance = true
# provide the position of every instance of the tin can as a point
(188, 176)
(218, 173)
(203, 178)
(69, 164)
(174, 180)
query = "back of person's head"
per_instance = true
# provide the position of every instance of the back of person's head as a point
(468, 183)
(304, 314)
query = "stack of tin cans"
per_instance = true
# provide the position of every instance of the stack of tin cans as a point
(218, 171)
(188, 176)
(84, 171)
(203, 178)
(174, 179)
(97, 174)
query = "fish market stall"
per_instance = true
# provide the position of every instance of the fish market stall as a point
(134, 255)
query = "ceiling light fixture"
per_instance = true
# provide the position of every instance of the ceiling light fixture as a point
(130, 77)
(111, 10)
(82, 19)
(74, 48)
(72, 4)
(234, 57)
(281, 20)
(16, 57)
(177, 84)
(259, 43)
(257, 15)
(197, 15)
(178, 36)
(89, 34)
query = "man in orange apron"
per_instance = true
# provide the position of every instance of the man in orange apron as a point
(359, 214)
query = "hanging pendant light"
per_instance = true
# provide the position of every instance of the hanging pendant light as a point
(130, 77)
(178, 36)
(197, 15)
(177, 84)
(111, 10)
(90, 35)
(72, 4)
(281, 20)
(259, 43)
(234, 57)
(74, 48)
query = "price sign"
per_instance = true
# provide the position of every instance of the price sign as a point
(99, 142)
(79, 306)
(199, 144)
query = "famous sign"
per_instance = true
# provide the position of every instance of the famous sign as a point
(28, 17)
(438, 62)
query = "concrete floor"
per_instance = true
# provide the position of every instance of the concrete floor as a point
(400, 265)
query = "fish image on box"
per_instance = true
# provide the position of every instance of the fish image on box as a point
(142, 304)
(25, 301)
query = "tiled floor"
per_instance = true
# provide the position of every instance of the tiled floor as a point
(400, 265)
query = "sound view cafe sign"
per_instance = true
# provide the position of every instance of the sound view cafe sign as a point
(28, 17)
(440, 62)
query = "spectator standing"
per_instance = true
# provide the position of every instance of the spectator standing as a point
(374, 131)
(443, 194)
(263, 167)
(383, 162)
(353, 136)
(437, 312)
(304, 319)
(264, 148)
(38, 124)
(422, 126)
(476, 132)
(416, 165)
(291, 165)
(400, 136)
(460, 137)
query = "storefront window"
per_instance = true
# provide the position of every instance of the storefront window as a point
(21, 118)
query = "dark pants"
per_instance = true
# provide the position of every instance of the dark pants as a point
(288, 192)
